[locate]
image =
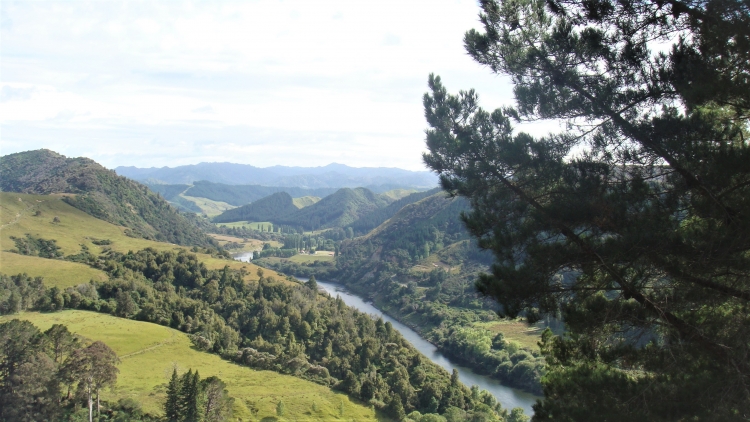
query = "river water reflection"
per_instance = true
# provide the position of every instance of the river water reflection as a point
(509, 397)
(243, 256)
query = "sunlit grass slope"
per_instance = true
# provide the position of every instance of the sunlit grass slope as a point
(34, 214)
(148, 352)
(208, 206)
(55, 272)
(305, 201)
(516, 330)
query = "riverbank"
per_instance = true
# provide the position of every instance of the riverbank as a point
(508, 396)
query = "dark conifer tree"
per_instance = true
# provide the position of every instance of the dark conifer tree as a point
(633, 222)
(173, 403)
(190, 397)
(312, 284)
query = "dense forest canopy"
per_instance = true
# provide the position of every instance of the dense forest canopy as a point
(633, 222)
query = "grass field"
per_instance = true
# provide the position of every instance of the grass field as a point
(17, 216)
(249, 245)
(305, 258)
(304, 201)
(55, 272)
(396, 194)
(209, 207)
(515, 330)
(148, 352)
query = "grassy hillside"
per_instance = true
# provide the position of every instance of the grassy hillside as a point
(271, 208)
(149, 352)
(100, 193)
(305, 201)
(396, 194)
(207, 206)
(18, 217)
(56, 273)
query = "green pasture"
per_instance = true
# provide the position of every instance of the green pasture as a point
(34, 214)
(515, 330)
(209, 207)
(56, 272)
(305, 258)
(305, 201)
(396, 194)
(148, 353)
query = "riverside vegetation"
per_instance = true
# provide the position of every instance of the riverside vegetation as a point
(419, 266)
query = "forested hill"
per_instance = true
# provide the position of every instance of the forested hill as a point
(420, 267)
(270, 208)
(415, 232)
(337, 210)
(100, 193)
(375, 218)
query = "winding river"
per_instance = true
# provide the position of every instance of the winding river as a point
(509, 397)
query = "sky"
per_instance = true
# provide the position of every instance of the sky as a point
(168, 83)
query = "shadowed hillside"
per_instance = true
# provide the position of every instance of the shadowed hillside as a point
(269, 208)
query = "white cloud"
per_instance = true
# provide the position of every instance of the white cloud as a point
(287, 82)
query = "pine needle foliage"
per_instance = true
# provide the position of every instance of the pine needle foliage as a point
(632, 222)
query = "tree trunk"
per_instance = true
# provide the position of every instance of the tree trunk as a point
(98, 407)
(91, 407)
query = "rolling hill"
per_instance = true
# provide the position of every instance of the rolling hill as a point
(336, 210)
(377, 217)
(273, 207)
(100, 193)
(339, 209)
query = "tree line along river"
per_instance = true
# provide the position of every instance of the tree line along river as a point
(507, 396)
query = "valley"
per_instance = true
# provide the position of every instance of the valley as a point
(260, 318)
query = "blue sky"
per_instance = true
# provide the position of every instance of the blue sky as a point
(166, 83)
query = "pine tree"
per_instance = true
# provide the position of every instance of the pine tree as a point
(312, 284)
(172, 409)
(632, 223)
(395, 408)
(191, 404)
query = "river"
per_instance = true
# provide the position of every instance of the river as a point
(243, 256)
(509, 397)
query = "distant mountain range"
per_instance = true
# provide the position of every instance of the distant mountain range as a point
(334, 175)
